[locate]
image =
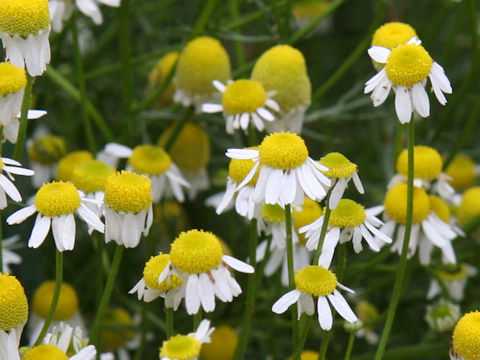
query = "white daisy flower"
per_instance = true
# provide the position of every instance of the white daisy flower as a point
(316, 281)
(348, 221)
(24, 31)
(55, 203)
(453, 278)
(9, 167)
(197, 257)
(244, 102)
(12, 88)
(187, 347)
(406, 69)
(287, 173)
(10, 129)
(66, 337)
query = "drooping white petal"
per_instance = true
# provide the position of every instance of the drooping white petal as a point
(403, 104)
(237, 264)
(324, 313)
(287, 300)
(342, 307)
(39, 231)
(206, 293)
(10, 189)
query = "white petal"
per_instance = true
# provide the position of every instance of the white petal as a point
(219, 86)
(192, 299)
(118, 150)
(337, 193)
(212, 108)
(420, 100)
(238, 265)
(379, 54)
(342, 307)
(39, 231)
(265, 114)
(324, 313)
(20, 215)
(282, 304)
(403, 104)
(272, 190)
(90, 218)
(9, 188)
(272, 104)
(205, 292)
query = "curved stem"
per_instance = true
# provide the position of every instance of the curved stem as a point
(196, 319)
(351, 341)
(22, 130)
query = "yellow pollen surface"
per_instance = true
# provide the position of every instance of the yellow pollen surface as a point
(462, 171)
(191, 149)
(282, 69)
(243, 96)
(310, 212)
(223, 344)
(128, 192)
(91, 176)
(196, 251)
(408, 65)
(67, 303)
(203, 60)
(239, 169)
(12, 79)
(152, 270)
(452, 272)
(69, 162)
(13, 303)
(427, 163)
(117, 329)
(150, 159)
(57, 198)
(348, 213)
(396, 204)
(23, 17)
(440, 208)
(466, 336)
(273, 213)
(315, 280)
(470, 205)
(47, 149)
(180, 347)
(393, 34)
(338, 165)
(45, 352)
(283, 151)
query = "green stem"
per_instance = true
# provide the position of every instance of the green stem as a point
(239, 49)
(351, 341)
(169, 321)
(22, 131)
(82, 85)
(100, 246)
(125, 53)
(56, 296)
(178, 128)
(112, 275)
(202, 20)
(323, 232)
(251, 294)
(197, 318)
(397, 288)
(325, 342)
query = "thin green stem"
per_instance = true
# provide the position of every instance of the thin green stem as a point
(197, 318)
(351, 341)
(56, 296)
(100, 246)
(126, 54)
(239, 49)
(202, 20)
(322, 353)
(399, 278)
(251, 294)
(178, 128)
(169, 321)
(22, 130)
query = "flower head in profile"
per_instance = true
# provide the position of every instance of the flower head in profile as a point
(68, 163)
(244, 102)
(393, 34)
(9, 167)
(452, 278)
(442, 315)
(466, 338)
(406, 69)
(320, 283)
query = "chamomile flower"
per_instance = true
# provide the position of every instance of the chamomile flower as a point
(469, 206)
(154, 162)
(12, 85)
(393, 34)
(10, 129)
(462, 172)
(91, 177)
(287, 173)
(59, 351)
(243, 102)
(466, 338)
(159, 74)
(454, 278)
(340, 171)
(348, 221)
(406, 69)
(282, 69)
(222, 346)
(198, 259)
(316, 282)
(367, 313)
(9, 257)
(9, 167)
(71, 340)
(24, 31)
(68, 163)
(202, 61)
(118, 334)
(13, 313)
(186, 347)
(442, 315)
(127, 208)
(55, 203)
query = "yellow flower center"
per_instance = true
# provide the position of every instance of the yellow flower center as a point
(180, 347)
(307, 355)
(366, 311)
(117, 329)
(47, 149)
(466, 336)
(452, 272)
(427, 162)
(196, 252)
(273, 213)
(67, 305)
(315, 280)
(12, 79)
(239, 169)
(45, 352)
(13, 303)
(282, 68)
(128, 192)
(348, 213)
(223, 344)
(396, 204)
(408, 65)
(393, 34)
(57, 198)
(338, 165)
(1, 164)
(203, 60)
(243, 96)
(309, 9)
(440, 208)
(152, 270)
(470, 205)
(462, 171)
(150, 159)
(283, 151)
(68, 163)
(23, 17)
(91, 176)
(310, 212)
(191, 149)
